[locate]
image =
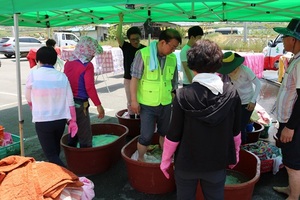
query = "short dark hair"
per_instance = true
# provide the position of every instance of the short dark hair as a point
(133, 30)
(170, 34)
(195, 31)
(50, 43)
(46, 55)
(205, 56)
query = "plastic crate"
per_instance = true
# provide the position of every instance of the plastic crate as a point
(11, 149)
(266, 165)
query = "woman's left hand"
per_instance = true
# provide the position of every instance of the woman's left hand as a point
(101, 112)
(251, 106)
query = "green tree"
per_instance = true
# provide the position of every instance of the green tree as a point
(113, 29)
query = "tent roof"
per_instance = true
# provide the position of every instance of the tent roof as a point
(56, 13)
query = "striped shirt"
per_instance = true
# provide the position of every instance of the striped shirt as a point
(50, 93)
(287, 94)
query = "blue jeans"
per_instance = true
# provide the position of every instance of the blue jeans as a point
(151, 116)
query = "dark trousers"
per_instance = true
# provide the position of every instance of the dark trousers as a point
(246, 114)
(49, 134)
(290, 150)
(84, 134)
(212, 185)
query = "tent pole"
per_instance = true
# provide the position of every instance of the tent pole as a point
(245, 32)
(19, 91)
(149, 39)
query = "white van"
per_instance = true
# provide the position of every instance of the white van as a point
(272, 53)
(65, 39)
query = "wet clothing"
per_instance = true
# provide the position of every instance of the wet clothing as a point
(205, 124)
(129, 53)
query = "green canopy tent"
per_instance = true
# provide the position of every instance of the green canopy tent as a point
(57, 13)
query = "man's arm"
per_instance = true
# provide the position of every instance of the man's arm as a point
(119, 35)
(175, 79)
(187, 71)
(133, 93)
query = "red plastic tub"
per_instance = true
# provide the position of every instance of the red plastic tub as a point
(132, 124)
(88, 161)
(146, 177)
(249, 165)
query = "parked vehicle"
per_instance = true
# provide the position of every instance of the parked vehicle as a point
(7, 45)
(229, 30)
(65, 39)
(272, 53)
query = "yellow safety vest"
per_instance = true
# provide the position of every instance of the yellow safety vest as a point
(155, 87)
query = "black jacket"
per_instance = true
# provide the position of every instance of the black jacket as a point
(205, 124)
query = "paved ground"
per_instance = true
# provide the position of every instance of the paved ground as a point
(112, 184)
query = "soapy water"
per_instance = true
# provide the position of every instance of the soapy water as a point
(153, 154)
(102, 140)
(235, 177)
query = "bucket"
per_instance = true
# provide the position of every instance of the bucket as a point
(253, 136)
(249, 165)
(265, 133)
(132, 124)
(146, 177)
(94, 160)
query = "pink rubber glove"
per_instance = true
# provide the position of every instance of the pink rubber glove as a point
(72, 128)
(166, 160)
(237, 142)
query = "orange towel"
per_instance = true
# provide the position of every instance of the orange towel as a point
(23, 178)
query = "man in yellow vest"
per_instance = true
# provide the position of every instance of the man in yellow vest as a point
(154, 77)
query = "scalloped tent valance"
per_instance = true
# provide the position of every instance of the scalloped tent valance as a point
(57, 13)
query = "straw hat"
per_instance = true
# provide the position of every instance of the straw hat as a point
(293, 29)
(230, 62)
